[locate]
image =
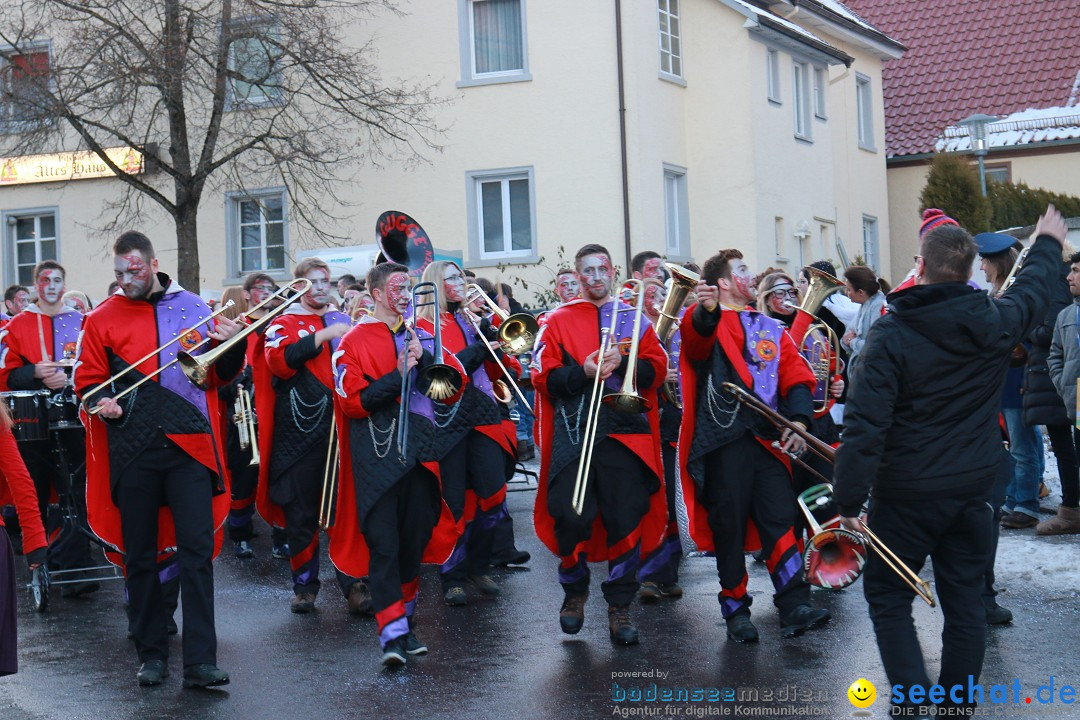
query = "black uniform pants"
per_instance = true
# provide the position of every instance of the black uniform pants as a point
(70, 547)
(956, 534)
(298, 491)
(663, 565)
(245, 479)
(618, 491)
(169, 477)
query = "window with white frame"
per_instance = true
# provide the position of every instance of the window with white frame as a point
(31, 239)
(821, 84)
(24, 87)
(871, 251)
(772, 74)
(864, 108)
(257, 226)
(676, 212)
(502, 217)
(254, 73)
(494, 40)
(800, 100)
(778, 236)
(670, 38)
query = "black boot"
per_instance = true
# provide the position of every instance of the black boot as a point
(740, 629)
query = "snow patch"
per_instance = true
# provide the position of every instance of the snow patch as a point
(1033, 125)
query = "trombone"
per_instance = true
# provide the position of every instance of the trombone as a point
(498, 386)
(626, 400)
(517, 333)
(330, 477)
(244, 418)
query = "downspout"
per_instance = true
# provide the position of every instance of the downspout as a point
(622, 132)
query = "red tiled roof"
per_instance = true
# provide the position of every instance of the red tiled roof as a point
(972, 56)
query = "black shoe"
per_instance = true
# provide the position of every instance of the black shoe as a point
(485, 584)
(740, 629)
(152, 672)
(1018, 521)
(998, 615)
(79, 589)
(801, 619)
(572, 613)
(244, 550)
(456, 597)
(204, 676)
(302, 603)
(413, 646)
(394, 653)
(359, 599)
(620, 629)
(280, 552)
(514, 557)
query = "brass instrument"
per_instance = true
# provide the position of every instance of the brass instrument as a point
(517, 333)
(402, 240)
(627, 400)
(808, 330)
(499, 387)
(130, 368)
(826, 452)
(244, 417)
(197, 367)
(1011, 277)
(683, 282)
(330, 478)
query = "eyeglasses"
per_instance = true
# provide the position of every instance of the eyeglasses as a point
(264, 288)
(789, 292)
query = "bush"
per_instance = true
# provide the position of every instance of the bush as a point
(953, 186)
(1018, 205)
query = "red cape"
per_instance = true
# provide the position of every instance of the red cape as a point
(263, 390)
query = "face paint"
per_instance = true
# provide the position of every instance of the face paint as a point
(319, 295)
(50, 285)
(653, 269)
(567, 288)
(397, 293)
(365, 301)
(595, 276)
(740, 275)
(75, 303)
(134, 275)
(350, 294)
(778, 301)
(259, 293)
(654, 299)
(454, 284)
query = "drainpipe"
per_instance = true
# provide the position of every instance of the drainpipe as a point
(622, 133)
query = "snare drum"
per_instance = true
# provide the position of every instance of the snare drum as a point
(29, 414)
(64, 413)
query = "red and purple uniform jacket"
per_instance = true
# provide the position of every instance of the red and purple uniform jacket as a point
(32, 337)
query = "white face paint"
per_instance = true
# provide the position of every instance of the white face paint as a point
(319, 295)
(454, 284)
(135, 274)
(50, 285)
(567, 287)
(595, 275)
(396, 294)
(743, 280)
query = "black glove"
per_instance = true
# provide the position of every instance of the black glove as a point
(37, 557)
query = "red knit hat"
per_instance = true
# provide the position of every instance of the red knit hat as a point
(932, 218)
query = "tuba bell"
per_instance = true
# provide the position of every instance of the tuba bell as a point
(817, 342)
(683, 282)
(402, 240)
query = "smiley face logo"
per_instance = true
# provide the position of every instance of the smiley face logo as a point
(862, 693)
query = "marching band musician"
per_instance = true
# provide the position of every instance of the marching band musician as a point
(31, 346)
(732, 472)
(155, 457)
(624, 514)
(299, 347)
(390, 513)
(483, 459)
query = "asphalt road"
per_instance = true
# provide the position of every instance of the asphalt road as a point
(506, 658)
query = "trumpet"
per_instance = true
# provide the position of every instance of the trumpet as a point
(244, 418)
(498, 386)
(517, 333)
(683, 281)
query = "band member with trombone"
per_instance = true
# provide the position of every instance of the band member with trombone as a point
(299, 345)
(921, 433)
(390, 515)
(155, 476)
(37, 352)
(737, 475)
(484, 456)
(601, 480)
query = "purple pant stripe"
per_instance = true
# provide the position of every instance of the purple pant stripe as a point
(730, 606)
(239, 518)
(458, 556)
(489, 520)
(410, 607)
(394, 629)
(661, 557)
(788, 569)
(310, 574)
(578, 572)
(169, 572)
(627, 567)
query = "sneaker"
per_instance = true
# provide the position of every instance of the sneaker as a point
(670, 590)
(620, 629)
(394, 653)
(998, 615)
(244, 550)
(359, 599)
(740, 629)
(152, 672)
(801, 619)
(514, 557)
(413, 646)
(456, 597)
(648, 593)
(280, 552)
(485, 584)
(302, 603)
(1018, 521)
(204, 676)
(572, 613)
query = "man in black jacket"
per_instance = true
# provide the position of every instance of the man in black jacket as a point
(921, 425)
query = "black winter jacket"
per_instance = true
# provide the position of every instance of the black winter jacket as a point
(1042, 404)
(921, 421)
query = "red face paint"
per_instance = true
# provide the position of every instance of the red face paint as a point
(50, 285)
(134, 275)
(397, 293)
(595, 275)
(453, 284)
(319, 295)
(652, 269)
(567, 288)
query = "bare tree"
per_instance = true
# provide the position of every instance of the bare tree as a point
(233, 91)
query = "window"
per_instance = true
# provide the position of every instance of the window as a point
(670, 38)
(772, 72)
(864, 108)
(31, 239)
(494, 47)
(257, 228)
(24, 89)
(871, 253)
(778, 237)
(821, 83)
(998, 172)
(254, 78)
(800, 100)
(676, 212)
(502, 218)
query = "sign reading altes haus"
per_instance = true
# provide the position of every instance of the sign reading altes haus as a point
(60, 167)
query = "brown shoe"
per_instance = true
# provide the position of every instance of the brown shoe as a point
(572, 613)
(1043, 491)
(302, 603)
(1018, 521)
(1066, 522)
(359, 599)
(621, 630)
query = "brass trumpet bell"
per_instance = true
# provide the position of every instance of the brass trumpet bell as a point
(439, 381)
(627, 402)
(517, 333)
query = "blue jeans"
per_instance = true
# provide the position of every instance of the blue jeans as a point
(1026, 446)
